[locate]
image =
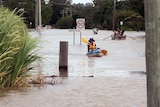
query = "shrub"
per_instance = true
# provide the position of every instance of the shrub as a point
(17, 49)
(64, 23)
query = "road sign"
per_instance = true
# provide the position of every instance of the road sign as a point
(80, 23)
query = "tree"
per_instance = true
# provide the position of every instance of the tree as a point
(97, 2)
(65, 22)
(58, 6)
(132, 13)
(88, 13)
(26, 6)
(46, 13)
(124, 10)
(29, 10)
(104, 14)
(137, 6)
(99, 15)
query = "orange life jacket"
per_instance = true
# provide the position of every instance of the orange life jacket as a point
(92, 46)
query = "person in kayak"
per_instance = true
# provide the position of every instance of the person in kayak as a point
(91, 44)
(117, 32)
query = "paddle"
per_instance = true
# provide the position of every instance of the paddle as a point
(84, 40)
(107, 37)
(131, 37)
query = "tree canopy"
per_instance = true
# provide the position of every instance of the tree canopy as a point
(99, 14)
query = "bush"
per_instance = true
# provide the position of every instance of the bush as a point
(17, 49)
(65, 23)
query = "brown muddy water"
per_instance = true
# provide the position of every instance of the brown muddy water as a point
(117, 79)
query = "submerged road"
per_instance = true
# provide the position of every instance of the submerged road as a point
(118, 79)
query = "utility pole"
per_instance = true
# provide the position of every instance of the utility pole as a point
(114, 15)
(40, 15)
(36, 15)
(152, 25)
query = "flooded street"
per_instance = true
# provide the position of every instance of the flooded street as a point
(115, 80)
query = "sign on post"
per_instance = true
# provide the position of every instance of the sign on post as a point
(121, 23)
(80, 23)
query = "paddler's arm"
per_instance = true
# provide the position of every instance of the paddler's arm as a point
(88, 47)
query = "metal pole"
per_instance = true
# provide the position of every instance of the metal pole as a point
(80, 37)
(74, 30)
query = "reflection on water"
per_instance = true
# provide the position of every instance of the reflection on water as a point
(91, 62)
(88, 66)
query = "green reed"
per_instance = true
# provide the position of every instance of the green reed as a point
(17, 49)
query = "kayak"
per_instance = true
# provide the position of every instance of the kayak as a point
(95, 53)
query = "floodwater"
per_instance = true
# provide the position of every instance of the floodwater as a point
(115, 80)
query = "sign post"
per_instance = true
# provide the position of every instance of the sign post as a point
(80, 25)
(121, 23)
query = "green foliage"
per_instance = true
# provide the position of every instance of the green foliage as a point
(137, 6)
(88, 14)
(46, 14)
(26, 5)
(16, 49)
(124, 9)
(131, 12)
(100, 15)
(56, 14)
(135, 22)
(103, 16)
(29, 10)
(64, 23)
(58, 6)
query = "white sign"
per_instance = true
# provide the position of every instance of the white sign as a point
(80, 23)
(121, 23)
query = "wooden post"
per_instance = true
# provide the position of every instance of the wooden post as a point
(63, 59)
(152, 27)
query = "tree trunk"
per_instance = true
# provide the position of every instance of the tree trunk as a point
(114, 15)
(152, 25)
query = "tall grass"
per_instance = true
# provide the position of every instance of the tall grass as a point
(17, 49)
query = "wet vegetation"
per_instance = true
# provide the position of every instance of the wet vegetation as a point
(17, 50)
